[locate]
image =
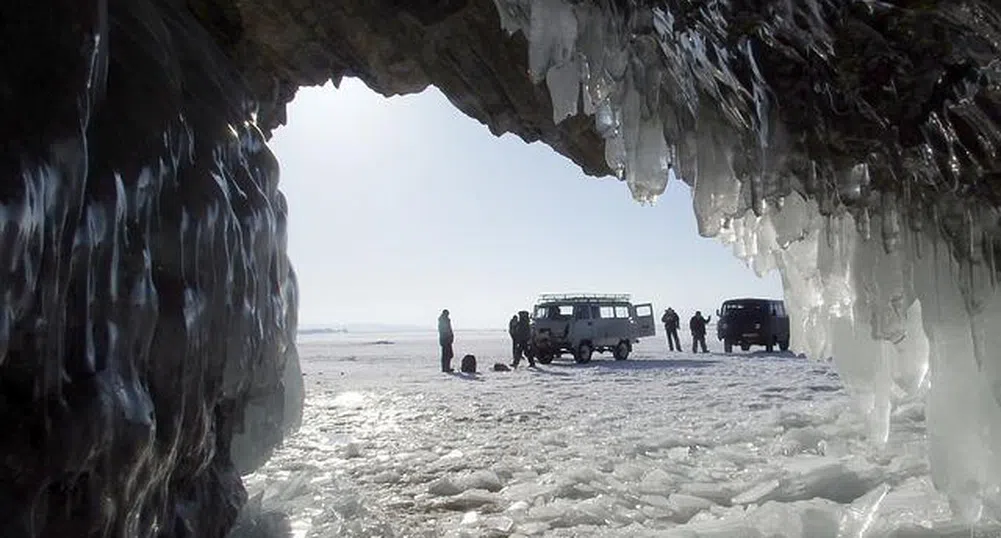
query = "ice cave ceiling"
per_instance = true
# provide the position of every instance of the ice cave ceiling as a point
(909, 88)
(397, 47)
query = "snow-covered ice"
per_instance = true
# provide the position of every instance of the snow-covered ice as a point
(664, 444)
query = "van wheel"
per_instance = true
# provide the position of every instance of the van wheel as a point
(728, 346)
(745, 347)
(545, 358)
(583, 355)
(784, 345)
(621, 351)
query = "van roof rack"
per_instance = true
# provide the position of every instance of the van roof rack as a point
(583, 297)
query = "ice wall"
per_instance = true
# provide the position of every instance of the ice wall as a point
(874, 210)
(148, 307)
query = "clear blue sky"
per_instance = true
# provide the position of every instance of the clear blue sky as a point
(400, 207)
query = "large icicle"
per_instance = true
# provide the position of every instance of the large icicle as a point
(902, 319)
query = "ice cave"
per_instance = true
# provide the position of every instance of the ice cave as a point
(147, 351)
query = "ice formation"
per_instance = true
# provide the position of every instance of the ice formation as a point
(898, 285)
(147, 321)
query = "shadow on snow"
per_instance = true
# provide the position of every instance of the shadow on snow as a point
(641, 364)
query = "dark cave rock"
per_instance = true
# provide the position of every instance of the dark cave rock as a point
(148, 300)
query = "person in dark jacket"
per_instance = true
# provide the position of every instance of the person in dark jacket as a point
(698, 327)
(445, 339)
(671, 323)
(522, 338)
(512, 330)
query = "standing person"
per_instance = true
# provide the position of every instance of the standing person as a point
(698, 327)
(671, 323)
(445, 339)
(523, 335)
(512, 330)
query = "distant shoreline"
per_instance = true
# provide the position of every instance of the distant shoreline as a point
(373, 329)
(326, 330)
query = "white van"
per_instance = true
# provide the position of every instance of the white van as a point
(581, 324)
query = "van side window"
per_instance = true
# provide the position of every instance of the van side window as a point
(581, 312)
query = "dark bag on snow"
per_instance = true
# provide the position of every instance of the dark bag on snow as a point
(468, 365)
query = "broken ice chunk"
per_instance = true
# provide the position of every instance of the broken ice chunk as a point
(444, 487)
(656, 482)
(684, 507)
(483, 479)
(470, 500)
(815, 518)
(760, 492)
(859, 516)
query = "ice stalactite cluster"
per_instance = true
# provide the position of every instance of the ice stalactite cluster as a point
(910, 320)
(582, 57)
(836, 143)
(148, 307)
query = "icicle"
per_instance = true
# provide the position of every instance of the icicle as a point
(551, 36)
(852, 182)
(588, 105)
(648, 171)
(514, 14)
(956, 448)
(764, 261)
(864, 224)
(716, 194)
(891, 223)
(563, 81)
(607, 121)
(615, 155)
(910, 364)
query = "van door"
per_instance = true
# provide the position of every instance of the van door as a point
(781, 327)
(607, 330)
(643, 322)
(582, 327)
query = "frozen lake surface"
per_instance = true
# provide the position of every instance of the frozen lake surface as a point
(663, 444)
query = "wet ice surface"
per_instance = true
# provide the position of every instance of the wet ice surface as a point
(664, 444)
